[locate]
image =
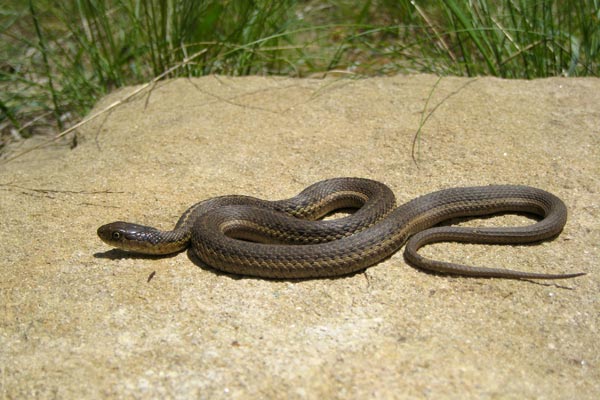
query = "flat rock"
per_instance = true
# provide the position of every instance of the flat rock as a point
(79, 322)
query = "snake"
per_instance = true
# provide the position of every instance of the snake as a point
(291, 239)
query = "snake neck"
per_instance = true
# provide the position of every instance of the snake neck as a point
(167, 242)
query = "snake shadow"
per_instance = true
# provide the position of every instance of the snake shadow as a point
(237, 277)
(118, 254)
(202, 265)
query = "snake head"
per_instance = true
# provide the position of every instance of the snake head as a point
(128, 236)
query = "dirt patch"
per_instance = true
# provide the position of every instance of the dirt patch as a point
(76, 323)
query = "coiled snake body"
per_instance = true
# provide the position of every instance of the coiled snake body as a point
(283, 239)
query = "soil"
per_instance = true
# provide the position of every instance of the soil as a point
(81, 321)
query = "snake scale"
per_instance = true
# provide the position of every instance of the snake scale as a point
(287, 238)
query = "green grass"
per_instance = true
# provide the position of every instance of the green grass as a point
(59, 58)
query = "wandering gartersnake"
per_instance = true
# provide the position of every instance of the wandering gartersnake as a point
(283, 239)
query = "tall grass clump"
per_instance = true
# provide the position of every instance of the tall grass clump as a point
(505, 38)
(78, 50)
(525, 39)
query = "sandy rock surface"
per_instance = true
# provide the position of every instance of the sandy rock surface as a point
(79, 322)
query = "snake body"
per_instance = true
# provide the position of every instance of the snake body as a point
(285, 239)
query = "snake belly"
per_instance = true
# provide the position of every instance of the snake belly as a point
(285, 239)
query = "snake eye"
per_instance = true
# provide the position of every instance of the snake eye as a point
(116, 235)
